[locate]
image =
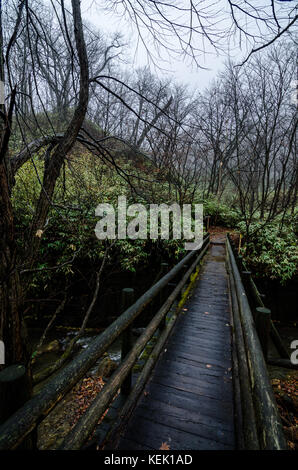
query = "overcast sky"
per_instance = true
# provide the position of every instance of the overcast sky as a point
(181, 70)
(214, 17)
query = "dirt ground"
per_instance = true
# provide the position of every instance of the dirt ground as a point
(218, 234)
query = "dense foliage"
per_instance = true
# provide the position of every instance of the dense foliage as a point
(69, 247)
(271, 252)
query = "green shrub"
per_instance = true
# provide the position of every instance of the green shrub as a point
(68, 239)
(220, 213)
(270, 252)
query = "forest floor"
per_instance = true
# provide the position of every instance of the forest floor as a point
(69, 410)
(285, 387)
(218, 234)
(66, 414)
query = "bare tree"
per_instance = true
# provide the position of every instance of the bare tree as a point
(11, 295)
(263, 165)
(194, 28)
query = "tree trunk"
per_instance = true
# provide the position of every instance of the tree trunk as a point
(57, 158)
(11, 331)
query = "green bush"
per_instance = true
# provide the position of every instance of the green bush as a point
(220, 213)
(270, 252)
(68, 239)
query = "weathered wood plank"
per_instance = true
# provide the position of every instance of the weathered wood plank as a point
(127, 444)
(200, 371)
(147, 432)
(184, 420)
(189, 399)
(202, 388)
(187, 358)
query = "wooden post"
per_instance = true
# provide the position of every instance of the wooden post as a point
(246, 276)
(133, 278)
(14, 392)
(239, 258)
(13, 386)
(262, 321)
(127, 342)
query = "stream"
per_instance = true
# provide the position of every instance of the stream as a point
(60, 338)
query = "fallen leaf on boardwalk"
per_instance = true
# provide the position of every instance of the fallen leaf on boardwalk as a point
(164, 446)
(206, 313)
(209, 366)
(146, 393)
(185, 309)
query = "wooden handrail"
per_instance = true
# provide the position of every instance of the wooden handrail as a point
(268, 423)
(258, 302)
(245, 420)
(24, 420)
(79, 434)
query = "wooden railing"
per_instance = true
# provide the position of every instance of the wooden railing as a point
(262, 315)
(256, 416)
(25, 420)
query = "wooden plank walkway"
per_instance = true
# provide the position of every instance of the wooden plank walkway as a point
(188, 402)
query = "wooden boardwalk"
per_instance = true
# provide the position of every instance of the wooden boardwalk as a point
(188, 402)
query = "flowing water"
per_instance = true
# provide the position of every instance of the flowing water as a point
(62, 338)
